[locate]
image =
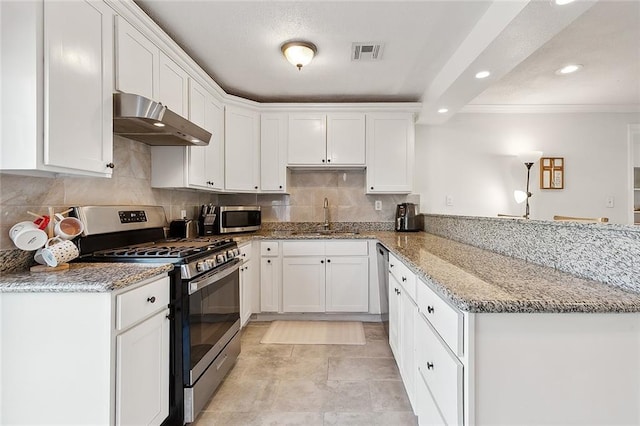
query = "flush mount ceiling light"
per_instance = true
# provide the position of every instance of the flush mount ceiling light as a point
(563, 2)
(483, 74)
(299, 53)
(569, 69)
(443, 110)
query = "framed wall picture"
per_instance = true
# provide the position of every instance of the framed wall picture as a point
(552, 173)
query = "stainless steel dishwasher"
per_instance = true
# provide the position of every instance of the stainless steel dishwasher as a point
(383, 283)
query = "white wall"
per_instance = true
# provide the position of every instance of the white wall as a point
(472, 158)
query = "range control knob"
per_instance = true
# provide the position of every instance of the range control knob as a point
(221, 258)
(231, 254)
(200, 267)
(211, 263)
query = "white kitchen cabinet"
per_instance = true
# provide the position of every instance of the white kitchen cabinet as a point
(91, 358)
(390, 153)
(336, 139)
(197, 167)
(242, 149)
(137, 66)
(325, 276)
(249, 290)
(347, 284)
(395, 318)
(57, 83)
(270, 276)
(173, 86)
(273, 152)
(303, 284)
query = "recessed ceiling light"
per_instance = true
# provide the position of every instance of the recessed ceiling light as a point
(568, 69)
(443, 110)
(158, 124)
(483, 74)
(563, 2)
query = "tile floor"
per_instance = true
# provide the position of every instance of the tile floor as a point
(311, 385)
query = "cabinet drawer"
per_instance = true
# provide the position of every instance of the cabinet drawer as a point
(138, 303)
(245, 252)
(403, 274)
(445, 319)
(346, 248)
(303, 248)
(441, 371)
(269, 248)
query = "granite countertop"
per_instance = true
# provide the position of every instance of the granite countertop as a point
(81, 277)
(478, 280)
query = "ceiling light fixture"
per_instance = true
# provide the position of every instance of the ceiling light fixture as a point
(563, 2)
(443, 110)
(299, 53)
(483, 74)
(568, 69)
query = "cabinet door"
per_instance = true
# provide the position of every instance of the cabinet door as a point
(408, 368)
(246, 292)
(173, 86)
(346, 139)
(78, 83)
(303, 288)
(142, 372)
(269, 285)
(242, 153)
(390, 152)
(347, 284)
(273, 155)
(137, 61)
(307, 139)
(206, 163)
(394, 318)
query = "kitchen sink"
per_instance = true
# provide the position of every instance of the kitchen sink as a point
(323, 232)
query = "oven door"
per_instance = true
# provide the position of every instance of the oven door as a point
(212, 319)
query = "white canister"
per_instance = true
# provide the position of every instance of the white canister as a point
(59, 251)
(27, 236)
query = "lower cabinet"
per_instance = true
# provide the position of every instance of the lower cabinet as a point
(86, 358)
(325, 276)
(249, 289)
(270, 276)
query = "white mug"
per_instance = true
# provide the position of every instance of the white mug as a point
(58, 250)
(27, 236)
(67, 228)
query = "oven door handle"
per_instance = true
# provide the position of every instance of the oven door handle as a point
(207, 280)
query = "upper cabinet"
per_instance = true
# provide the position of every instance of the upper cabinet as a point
(241, 149)
(137, 62)
(173, 86)
(390, 153)
(273, 152)
(197, 167)
(57, 81)
(327, 139)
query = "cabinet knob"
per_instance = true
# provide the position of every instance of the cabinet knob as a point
(372, 187)
(429, 366)
(268, 260)
(268, 248)
(151, 299)
(323, 160)
(328, 260)
(322, 261)
(111, 165)
(255, 187)
(329, 160)
(404, 279)
(430, 309)
(280, 187)
(391, 265)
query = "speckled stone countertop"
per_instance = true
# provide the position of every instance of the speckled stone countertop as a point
(481, 281)
(81, 278)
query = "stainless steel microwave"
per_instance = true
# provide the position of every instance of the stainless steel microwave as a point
(237, 219)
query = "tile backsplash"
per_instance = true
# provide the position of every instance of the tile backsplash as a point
(131, 184)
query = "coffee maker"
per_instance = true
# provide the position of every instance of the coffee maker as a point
(407, 218)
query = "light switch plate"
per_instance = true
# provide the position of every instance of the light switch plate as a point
(611, 202)
(378, 205)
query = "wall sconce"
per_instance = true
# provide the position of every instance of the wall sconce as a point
(299, 53)
(528, 158)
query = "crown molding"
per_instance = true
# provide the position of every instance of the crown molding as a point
(548, 109)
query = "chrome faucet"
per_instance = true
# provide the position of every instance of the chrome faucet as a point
(326, 213)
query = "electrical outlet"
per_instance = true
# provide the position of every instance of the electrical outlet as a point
(183, 214)
(448, 200)
(378, 205)
(611, 202)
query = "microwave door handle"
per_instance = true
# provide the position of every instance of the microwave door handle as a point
(198, 285)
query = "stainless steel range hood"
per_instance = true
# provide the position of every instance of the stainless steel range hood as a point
(141, 119)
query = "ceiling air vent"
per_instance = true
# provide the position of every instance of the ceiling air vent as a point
(370, 51)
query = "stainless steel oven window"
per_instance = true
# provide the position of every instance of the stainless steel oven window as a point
(214, 308)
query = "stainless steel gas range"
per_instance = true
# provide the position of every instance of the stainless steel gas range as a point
(205, 294)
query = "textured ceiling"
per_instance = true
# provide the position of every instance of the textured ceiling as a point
(432, 49)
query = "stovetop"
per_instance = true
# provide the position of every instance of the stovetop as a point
(170, 249)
